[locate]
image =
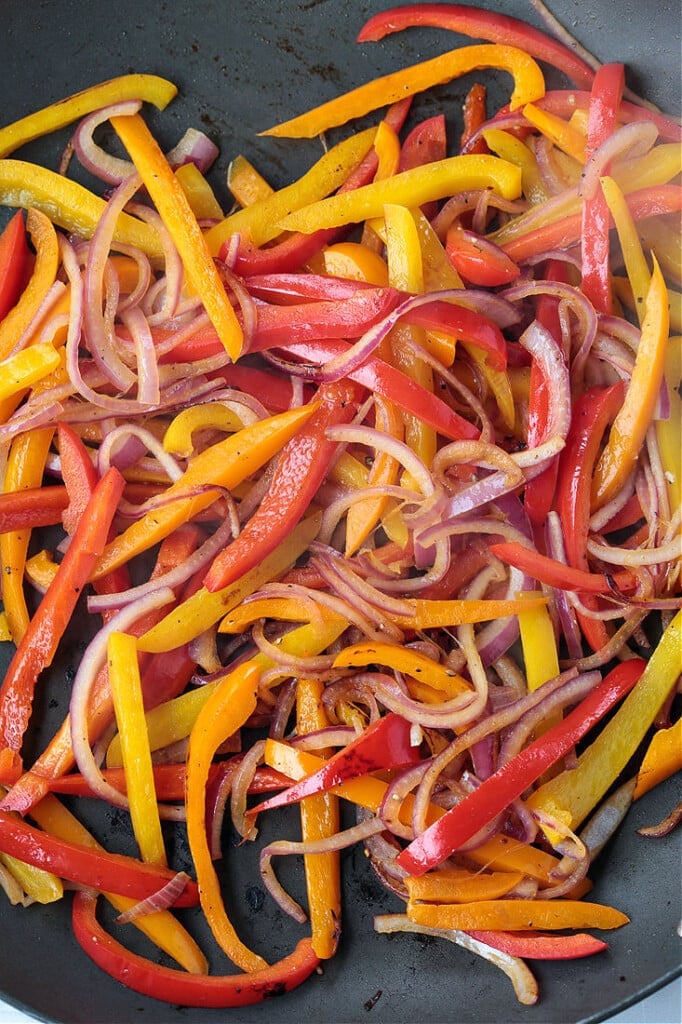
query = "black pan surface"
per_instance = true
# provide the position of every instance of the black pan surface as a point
(240, 68)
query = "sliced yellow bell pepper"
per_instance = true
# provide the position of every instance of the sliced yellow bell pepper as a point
(283, 609)
(26, 367)
(44, 239)
(246, 184)
(261, 219)
(529, 86)
(668, 431)
(200, 195)
(174, 209)
(538, 642)
(565, 136)
(223, 465)
(40, 886)
(632, 422)
(631, 247)
(508, 147)
(148, 88)
(207, 416)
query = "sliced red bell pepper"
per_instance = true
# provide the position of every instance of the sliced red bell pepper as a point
(474, 116)
(85, 865)
(36, 506)
(480, 24)
(78, 473)
(173, 986)
(478, 261)
(539, 946)
(384, 744)
(39, 644)
(479, 807)
(607, 91)
(302, 466)
(14, 260)
(426, 143)
(556, 574)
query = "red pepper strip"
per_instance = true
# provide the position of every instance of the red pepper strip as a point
(480, 24)
(385, 744)
(173, 986)
(39, 644)
(288, 289)
(14, 259)
(592, 413)
(537, 499)
(36, 506)
(385, 380)
(607, 91)
(653, 201)
(556, 574)
(477, 260)
(538, 946)
(343, 319)
(85, 865)
(78, 473)
(479, 807)
(426, 143)
(474, 116)
(302, 466)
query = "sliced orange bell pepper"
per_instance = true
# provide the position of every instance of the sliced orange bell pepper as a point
(516, 915)
(567, 138)
(457, 885)
(402, 659)
(662, 759)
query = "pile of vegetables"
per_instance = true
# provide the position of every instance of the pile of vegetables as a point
(369, 492)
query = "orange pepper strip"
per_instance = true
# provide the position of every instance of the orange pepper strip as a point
(44, 239)
(567, 138)
(175, 211)
(401, 659)
(516, 915)
(226, 710)
(457, 885)
(164, 930)
(436, 614)
(223, 465)
(246, 184)
(662, 759)
(364, 515)
(319, 819)
(529, 86)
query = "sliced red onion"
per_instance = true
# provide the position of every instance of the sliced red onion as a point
(161, 900)
(398, 788)
(356, 689)
(606, 819)
(364, 590)
(194, 147)
(148, 441)
(665, 827)
(241, 780)
(148, 390)
(144, 276)
(569, 624)
(363, 614)
(626, 143)
(402, 453)
(103, 165)
(466, 202)
(174, 276)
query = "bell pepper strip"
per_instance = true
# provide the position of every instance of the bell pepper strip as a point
(477, 261)
(283, 609)
(474, 116)
(14, 263)
(464, 820)
(20, 371)
(320, 819)
(480, 24)
(246, 184)
(630, 244)
(662, 759)
(169, 985)
(402, 659)
(562, 134)
(529, 85)
(200, 196)
(68, 204)
(632, 421)
(513, 915)
(84, 865)
(408, 188)
(24, 471)
(363, 516)
(223, 465)
(227, 709)
(384, 744)
(302, 466)
(209, 416)
(538, 642)
(148, 88)
(260, 220)
(352, 261)
(536, 946)
(556, 574)
(126, 691)
(176, 214)
(78, 473)
(35, 506)
(39, 886)
(607, 92)
(573, 794)
(508, 147)
(17, 319)
(457, 885)
(45, 630)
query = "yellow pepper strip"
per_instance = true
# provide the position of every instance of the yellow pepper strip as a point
(387, 149)
(350, 260)
(516, 915)
(668, 431)
(538, 642)
(506, 146)
(408, 188)
(40, 886)
(401, 659)
(261, 219)
(164, 930)
(364, 515)
(623, 292)
(126, 692)
(441, 614)
(176, 214)
(320, 819)
(572, 795)
(200, 611)
(631, 247)
(457, 885)
(529, 85)
(662, 236)
(25, 466)
(5, 635)
(368, 792)
(148, 88)
(41, 569)
(227, 709)
(68, 204)
(662, 759)
(44, 239)
(223, 465)
(567, 138)
(208, 416)
(26, 367)
(632, 421)
(246, 184)
(200, 195)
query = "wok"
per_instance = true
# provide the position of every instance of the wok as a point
(241, 67)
